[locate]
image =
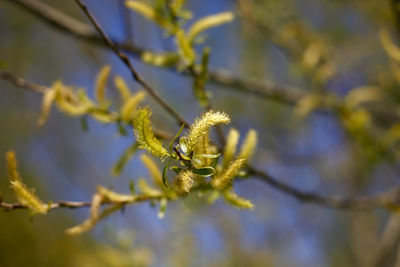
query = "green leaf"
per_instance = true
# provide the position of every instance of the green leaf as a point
(175, 137)
(84, 123)
(121, 130)
(183, 144)
(132, 187)
(126, 156)
(198, 159)
(176, 169)
(163, 208)
(204, 171)
(164, 173)
(207, 156)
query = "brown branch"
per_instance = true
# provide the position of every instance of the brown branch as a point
(60, 204)
(267, 89)
(19, 82)
(75, 204)
(385, 199)
(124, 58)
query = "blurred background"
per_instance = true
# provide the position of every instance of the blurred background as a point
(313, 45)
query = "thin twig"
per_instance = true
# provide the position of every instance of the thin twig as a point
(124, 58)
(76, 204)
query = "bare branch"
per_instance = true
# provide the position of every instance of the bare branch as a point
(19, 82)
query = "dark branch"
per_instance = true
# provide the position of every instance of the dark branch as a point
(124, 58)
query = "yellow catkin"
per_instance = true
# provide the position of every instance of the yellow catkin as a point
(183, 182)
(201, 127)
(130, 106)
(236, 201)
(153, 170)
(184, 47)
(25, 196)
(144, 134)
(122, 88)
(306, 105)
(391, 49)
(222, 180)
(28, 198)
(101, 84)
(209, 22)
(148, 12)
(47, 102)
(112, 196)
(69, 103)
(147, 189)
(230, 147)
(12, 165)
(91, 222)
(249, 145)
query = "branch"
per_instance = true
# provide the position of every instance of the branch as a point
(267, 89)
(385, 199)
(75, 204)
(124, 58)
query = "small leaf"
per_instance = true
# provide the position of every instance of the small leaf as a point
(84, 123)
(125, 157)
(207, 156)
(132, 187)
(153, 169)
(121, 130)
(183, 144)
(175, 137)
(164, 173)
(204, 171)
(198, 159)
(176, 169)
(163, 208)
